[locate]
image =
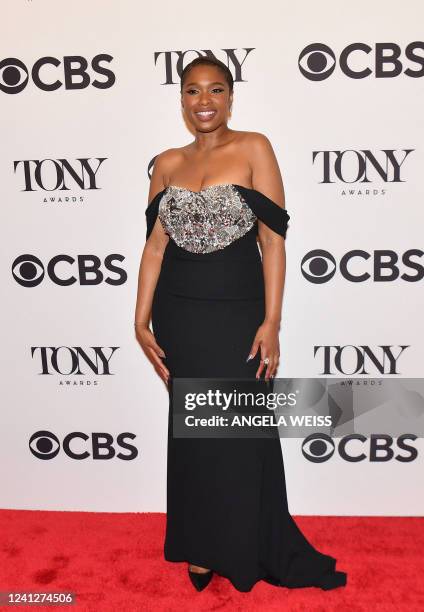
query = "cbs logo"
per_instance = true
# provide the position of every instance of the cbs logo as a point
(320, 447)
(77, 445)
(318, 61)
(14, 75)
(319, 266)
(29, 271)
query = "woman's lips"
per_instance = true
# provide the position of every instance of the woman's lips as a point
(205, 115)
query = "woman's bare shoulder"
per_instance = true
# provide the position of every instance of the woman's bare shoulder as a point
(257, 145)
(169, 157)
(253, 138)
(253, 142)
(164, 164)
(266, 174)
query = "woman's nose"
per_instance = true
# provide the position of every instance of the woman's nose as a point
(204, 98)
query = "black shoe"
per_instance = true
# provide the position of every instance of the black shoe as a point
(200, 580)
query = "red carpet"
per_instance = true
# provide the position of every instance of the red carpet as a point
(114, 562)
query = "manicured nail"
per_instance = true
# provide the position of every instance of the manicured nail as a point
(249, 358)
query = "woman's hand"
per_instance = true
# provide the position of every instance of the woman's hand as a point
(268, 341)
(152, 350)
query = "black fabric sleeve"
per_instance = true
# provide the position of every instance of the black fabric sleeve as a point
(152, 213)
(266, 209)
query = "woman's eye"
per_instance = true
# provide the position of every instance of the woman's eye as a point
(216, 89)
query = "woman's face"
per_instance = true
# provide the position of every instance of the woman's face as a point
(206, 98)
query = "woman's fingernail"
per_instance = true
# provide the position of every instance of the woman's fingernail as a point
(249, 358)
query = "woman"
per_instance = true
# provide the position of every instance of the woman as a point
(215, 305)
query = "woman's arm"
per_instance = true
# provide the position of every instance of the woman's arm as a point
(266, 178)
(149, 270)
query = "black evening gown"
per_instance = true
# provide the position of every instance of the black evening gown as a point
(226, 498)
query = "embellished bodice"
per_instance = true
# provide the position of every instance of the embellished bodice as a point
(205, 221)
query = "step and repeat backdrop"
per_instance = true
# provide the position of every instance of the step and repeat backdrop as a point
(89, 94)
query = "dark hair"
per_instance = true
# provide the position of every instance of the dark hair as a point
(205, 60)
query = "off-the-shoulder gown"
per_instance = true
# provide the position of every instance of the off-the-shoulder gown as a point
(226, 498)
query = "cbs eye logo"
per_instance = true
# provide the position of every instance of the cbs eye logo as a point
(44, 445)
(318, 266)
(14, 75)
(318, 448)
(28, 270)
(317, 62)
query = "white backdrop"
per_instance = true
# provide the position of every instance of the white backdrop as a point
(132, 49)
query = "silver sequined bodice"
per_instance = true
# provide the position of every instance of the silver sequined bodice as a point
(207, 220)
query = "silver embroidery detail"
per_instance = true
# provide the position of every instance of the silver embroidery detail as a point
(207, 220)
